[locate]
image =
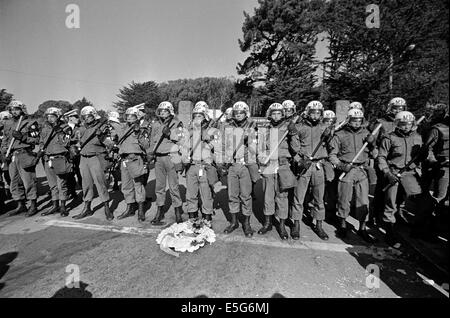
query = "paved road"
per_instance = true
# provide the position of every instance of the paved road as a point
(122, 259)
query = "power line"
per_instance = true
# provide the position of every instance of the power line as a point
(59, 77)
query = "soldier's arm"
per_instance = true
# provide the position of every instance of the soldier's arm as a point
(432, 138)
(334, 147)
(383, 153)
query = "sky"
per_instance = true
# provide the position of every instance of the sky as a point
(117, 42)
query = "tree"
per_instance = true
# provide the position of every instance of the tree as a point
(411, 44)
(5, 99)
(281, 38)
(138, 93)
(64, 105)
(79, 104)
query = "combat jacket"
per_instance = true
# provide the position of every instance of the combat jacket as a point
(60, 139)
(239, 139)
(28, 127)
(278, 131)
(309, 136)
(197, 144)
(135, 143)
(94, 146)
(397, 149)
(168, 145)
(346, 143)
(438, 142)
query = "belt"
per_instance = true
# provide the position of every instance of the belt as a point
(125, 155)
(358, 164)
(159, 154)
(20, 150)
(94, 155)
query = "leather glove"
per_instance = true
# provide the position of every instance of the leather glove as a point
(327, 134)
(221, 170)
(166, 132)
(305, 164)
(136, 128)
(370, 139)
(297, 158)
(344, 167)
(17, 135)
(246, 140)
(391, 178)
(67, 130)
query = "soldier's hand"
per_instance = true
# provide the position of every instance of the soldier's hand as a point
(136, 128)
(292, 128)
(17, 135)
(151, 156)
(344, 167)
(297, 158)
(166, 132)
(391, 178)
(370, 139)
(305, 164)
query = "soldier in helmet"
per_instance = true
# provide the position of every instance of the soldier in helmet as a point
(343, 148)
(164, 138)
(5, 180)
(53, 146)
(72, 118)
(133, 140)
(93, 162)
(356, 105)
(238, 160)
(290, 110)
(116, 126)
(22, 161)
(395, 105)
(311, 133)
(330, 196)
(275, 198)
(397, 149)
(197, 155)
(438, 155)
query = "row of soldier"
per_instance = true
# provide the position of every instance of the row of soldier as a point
(315, 163)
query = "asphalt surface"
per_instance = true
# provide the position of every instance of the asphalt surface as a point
(122, 259)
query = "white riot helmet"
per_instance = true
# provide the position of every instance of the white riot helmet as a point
(165, 106)
(405, 117)
(356, 105)
(5, 115)
(314, 105)
(275, 107)
(200, 108)
(17, 104)
(53, 111)
(329, 116)
(240, 107)
(397, 104)
(288, 104)
(89, 110)
(355, 114)
(114, 116)
(228, 113)
(132, 111)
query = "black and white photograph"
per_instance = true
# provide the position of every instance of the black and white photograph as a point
(224, 155)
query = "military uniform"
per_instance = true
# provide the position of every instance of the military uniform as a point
(22, 165)
(168, 162)
(57, 140)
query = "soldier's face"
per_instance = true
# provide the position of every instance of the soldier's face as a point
(89, 119)
(239, 115)
(74, 119)
(314, 114)
(16, 111)
(397, 109)
(51, 119)
(131, 119)
(355, 123)
(289, 112)
(276, 116)
(405, 127)
(164, 113)
(328, 121)
(198, 118)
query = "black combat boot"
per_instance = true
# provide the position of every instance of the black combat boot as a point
(342, 228)
(295, 231)
(62, 208)
(53, 210)
(86, 211)
(19, 209)
(141, 212)
(267, 225)
(207, 217)
(391, 237)
(178, 212)
(248, 231)
(32, 210)
(362, 232)
(319, 231)
(192, 215)
(109, 215)
(283, 233)
(131, 208)
(158, 217)
(234, 224)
